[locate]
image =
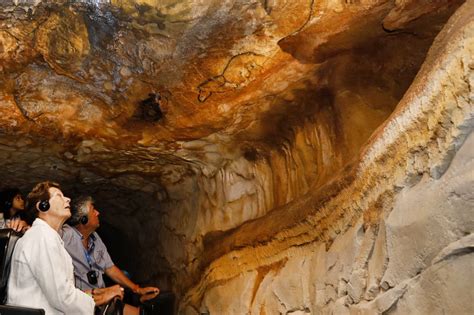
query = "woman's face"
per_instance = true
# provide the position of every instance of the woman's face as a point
(18, 202)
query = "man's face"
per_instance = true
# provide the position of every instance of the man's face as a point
(59, 204)
(93, 216)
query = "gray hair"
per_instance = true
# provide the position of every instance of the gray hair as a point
(79, 209)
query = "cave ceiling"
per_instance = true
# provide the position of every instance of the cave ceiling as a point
(159, 90)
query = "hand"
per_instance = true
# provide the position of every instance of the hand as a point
(147, 293)
(147, 290)
(105, 295)
(113, 291)
(18, 225)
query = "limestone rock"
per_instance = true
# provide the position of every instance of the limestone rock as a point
(415, 216)
(418, 219)
(262, 157)
(445, 288)
(220, 300)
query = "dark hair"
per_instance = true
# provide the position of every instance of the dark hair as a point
(39, 193)
(6, 200)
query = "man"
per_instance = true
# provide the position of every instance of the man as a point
(41, 269)
(90, 257)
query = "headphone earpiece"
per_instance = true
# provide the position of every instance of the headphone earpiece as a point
(83, 220)
(43, 205)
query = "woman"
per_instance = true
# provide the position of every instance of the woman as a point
(13, 208)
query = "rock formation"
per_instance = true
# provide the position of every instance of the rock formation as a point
(260, 157)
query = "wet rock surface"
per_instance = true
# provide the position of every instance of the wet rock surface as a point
(236, 144)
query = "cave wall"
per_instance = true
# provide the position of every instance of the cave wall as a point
(313, 130)
(397, 236)
(291, 138)
(416, 259)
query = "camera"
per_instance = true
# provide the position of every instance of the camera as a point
(92, 277)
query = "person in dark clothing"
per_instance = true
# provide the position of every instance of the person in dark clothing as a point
(12, 206)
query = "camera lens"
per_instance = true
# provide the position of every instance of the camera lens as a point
(92, 277)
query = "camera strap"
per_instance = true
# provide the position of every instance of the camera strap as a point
(88, 254)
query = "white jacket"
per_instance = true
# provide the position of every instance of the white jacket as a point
(42, 276)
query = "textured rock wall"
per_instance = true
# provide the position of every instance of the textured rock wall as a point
(321, 126)
(224, 138)
(417, 259)
(397, 236)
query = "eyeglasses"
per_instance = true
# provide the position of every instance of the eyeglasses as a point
(92, 277)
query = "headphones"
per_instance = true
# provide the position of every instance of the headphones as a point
(43, 205)
(83, 220)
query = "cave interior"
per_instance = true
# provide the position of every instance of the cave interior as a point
(206, 129)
